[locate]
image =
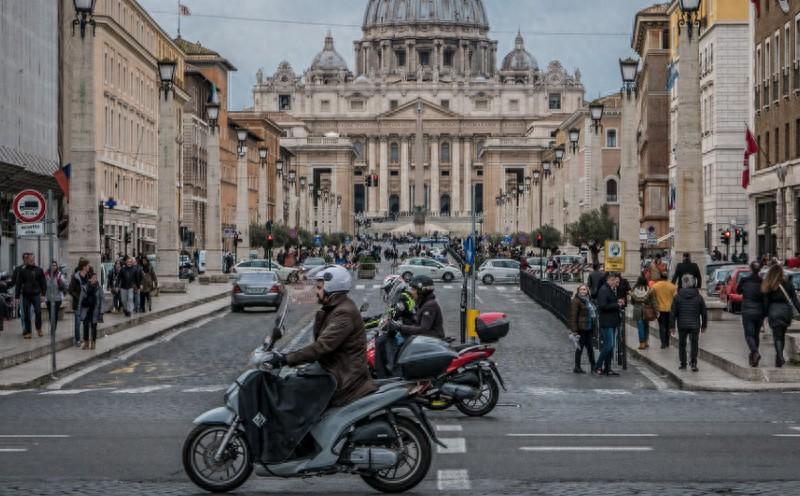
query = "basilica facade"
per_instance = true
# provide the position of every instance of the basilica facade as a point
(427, 90)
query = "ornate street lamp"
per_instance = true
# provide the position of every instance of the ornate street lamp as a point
(574, 136)
(546, 166)
(629, 69)
(212, 107)
(166, 74)
(279, 167)
(263, 152)
(559, 153)
(302, 183)
(338, 200)
(84, 14)
(528, 184)
(292, 176)
(690, 18)
(596, 110)
(536, 175)
(241, 135)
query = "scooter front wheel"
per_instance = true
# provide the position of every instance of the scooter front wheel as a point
(414, 461)
(216, 476)
(485, 401)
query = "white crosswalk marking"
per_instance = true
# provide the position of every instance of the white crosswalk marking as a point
(448, 286)
(13, 450)
(205, 389)
(141, 390)
(586, 448)
(360, 286)
(453, 480)
(581, 435)
(611, 392)
(449, 428)
(455, 445)
(501, 288)
(376, 286)
(68, 392)
(9, 392)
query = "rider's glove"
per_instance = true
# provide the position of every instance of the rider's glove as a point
(392, 327)
(277, 360)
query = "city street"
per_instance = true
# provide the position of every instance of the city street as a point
(118, 429)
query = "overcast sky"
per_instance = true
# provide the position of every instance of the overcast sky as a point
(593, 34)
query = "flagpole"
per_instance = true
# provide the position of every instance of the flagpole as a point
(179, 18)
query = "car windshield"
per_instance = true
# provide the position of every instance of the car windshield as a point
(258, 278)
(315, 261)
(721, 274)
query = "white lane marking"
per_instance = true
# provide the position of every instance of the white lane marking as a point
(483, 287)
(296, 340)
(141, 390)
(795, 428)
(449, 428)
(9, 392)
(612, 392)
(786, 435)
(501, 288)
(453, 480)
(361, 286)
(581, 435)
(586, 448)
(205, 389)
(455, 445)
(376, 286)
(680, 391)
(65, 392)
(18, 436)
(129, 353)
(448, 286)
(542, 391)
(13, 450)
(658, 382)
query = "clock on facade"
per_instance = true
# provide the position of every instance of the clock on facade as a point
(784, 5)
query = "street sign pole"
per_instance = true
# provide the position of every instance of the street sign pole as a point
(50, 224)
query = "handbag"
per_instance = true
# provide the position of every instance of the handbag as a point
(795, 315)
(649, 313)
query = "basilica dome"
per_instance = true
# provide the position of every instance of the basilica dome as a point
(519, 59)
(401, 12)
(328, 59)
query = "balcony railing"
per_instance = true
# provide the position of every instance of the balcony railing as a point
(796, 77)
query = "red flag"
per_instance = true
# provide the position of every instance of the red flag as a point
(62, 176)
(757, 4)
(751, 147)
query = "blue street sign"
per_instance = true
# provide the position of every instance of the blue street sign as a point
(507, 239)
(111, 203)
(317, 240)
(469, 250)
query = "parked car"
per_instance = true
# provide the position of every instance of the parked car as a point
(428, 267)
(312, 262)
(256, 289)
(727, 294)
(713, 266)
(499, 270)
(718, 278)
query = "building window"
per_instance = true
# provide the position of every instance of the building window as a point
(513, 105)
(446, 152)
(448, 58)
(393, 104)
(400, 55)
(394, 153)
(554, 101)
(445, 173)
(479, 172)
(665, 39)
(786, 142)
(284, 102)
(777, 145)
(394, 173)
(445, 104)
(325, 106)
(611, 191)
(357, 105)
(797, 138)
(482, 104)
(611, 138)
(424, 58)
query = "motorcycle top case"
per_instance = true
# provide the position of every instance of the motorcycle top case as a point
(424, 357)
(492, 327)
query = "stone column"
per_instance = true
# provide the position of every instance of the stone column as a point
(434, 203)
(242, 208)
(279, 211)
(782, 245)
(213, 210)
(168, 244)
(461, 57)
(468, 176)
(628, 190)
(372, 166)
(404, 176)
(263, 194)
(688, 171)
(455, 177)
(383, 180)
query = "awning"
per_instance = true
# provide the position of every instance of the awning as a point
(666, 237)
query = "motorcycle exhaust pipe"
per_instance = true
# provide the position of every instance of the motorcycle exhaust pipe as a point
(466, 379)
(458, 391)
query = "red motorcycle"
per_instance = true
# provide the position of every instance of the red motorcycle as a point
(471, 380)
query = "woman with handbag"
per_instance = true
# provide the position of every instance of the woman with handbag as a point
(753, 310)
(780, 297)
(56, 286)
(644, 310)
(582, 319)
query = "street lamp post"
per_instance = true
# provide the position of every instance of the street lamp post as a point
(596, 111)
(213, 227)
(84, 15)
(629, 172)
(574, 136)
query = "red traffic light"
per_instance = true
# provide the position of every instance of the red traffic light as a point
(728, 234)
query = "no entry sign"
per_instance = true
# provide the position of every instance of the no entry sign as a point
(29, 206)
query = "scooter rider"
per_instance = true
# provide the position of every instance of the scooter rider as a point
(404, 309)
(340, 343)
(429, 321)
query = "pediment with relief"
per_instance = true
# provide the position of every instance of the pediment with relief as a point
(409, 111)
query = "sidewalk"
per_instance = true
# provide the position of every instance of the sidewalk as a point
(26, 362)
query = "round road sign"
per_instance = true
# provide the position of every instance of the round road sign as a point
(29, 206)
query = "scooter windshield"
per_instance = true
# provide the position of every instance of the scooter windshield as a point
(394, 294)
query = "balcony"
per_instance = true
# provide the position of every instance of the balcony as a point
(317, 142)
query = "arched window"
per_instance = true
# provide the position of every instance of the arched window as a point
(611, 191)
(445, 152)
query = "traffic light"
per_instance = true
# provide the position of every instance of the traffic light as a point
(745, 236)
(375, 180)
(270, 241)
(538, 240)
(725, 237)
(127, 237)
(236, 239)
(269, 226)
(369, 181)
(738, 235)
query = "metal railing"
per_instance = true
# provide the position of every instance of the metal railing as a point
(549, 295)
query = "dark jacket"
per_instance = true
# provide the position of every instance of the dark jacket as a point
(688, 310)
(429, 321)
(753, 300)
(579, 316)
(130, 277)
(687, 268)
(30, 282)
(779, 310)
(340, 347)
(596, 279)
(608, 307)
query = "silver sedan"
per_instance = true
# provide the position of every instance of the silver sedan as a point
(256, 289)
(499, 270)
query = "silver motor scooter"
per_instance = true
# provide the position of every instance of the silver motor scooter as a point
(384, 437)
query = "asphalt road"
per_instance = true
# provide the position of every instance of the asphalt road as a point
(118, 429)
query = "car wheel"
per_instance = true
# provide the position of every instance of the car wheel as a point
(488, 280)
(447, 277)
(407, 276)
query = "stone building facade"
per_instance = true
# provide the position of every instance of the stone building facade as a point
(774, 194)
(435, 57)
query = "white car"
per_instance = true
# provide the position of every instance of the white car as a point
(499, 270)
(285, 274)
(428, 267)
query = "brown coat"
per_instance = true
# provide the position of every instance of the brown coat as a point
(578, 316)
(340, 347)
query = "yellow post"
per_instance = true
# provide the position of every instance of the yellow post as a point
(472, 317)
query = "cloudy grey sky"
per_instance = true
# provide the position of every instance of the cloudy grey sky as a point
(593, 34)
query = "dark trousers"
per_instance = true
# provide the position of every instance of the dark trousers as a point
(29, 301)
(585, 344)
(117, 300)
(694, 335)
(779, 338)
(663, 328)
(752, 330)
(3, 311)
(89, 327)
(145, 301)
(53, 314)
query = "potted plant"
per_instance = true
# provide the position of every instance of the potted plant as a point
(366, 268)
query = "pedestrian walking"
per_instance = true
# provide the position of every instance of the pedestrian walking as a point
(687, 267)
(691, 319)
(113, 287)
(91, 309)
(149, 284)
(30, 290)
(75, 284)
(608, 306)
(780, 297)
(664, 292)
(128, 283)
(644, 310)
(596, 279)
(56, 285)
(753, 310)
(657, 270)
(582, 319)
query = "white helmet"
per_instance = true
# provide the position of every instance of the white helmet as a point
(337, 279)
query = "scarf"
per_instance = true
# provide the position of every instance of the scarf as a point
(591, 311)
